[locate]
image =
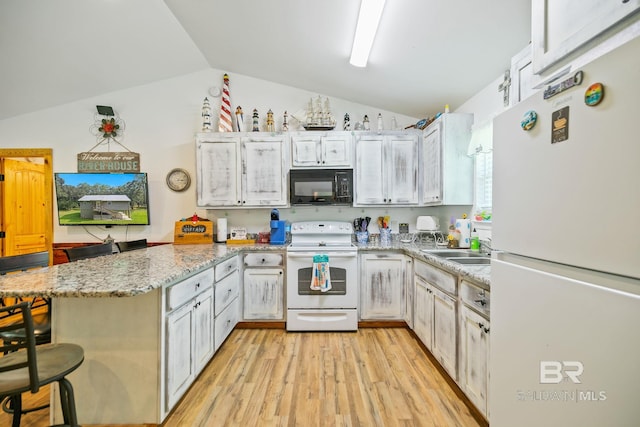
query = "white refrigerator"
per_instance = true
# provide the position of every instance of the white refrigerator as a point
(565, 279)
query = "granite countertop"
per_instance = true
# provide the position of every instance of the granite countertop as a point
(119, 275)
(141, 271)
(478, 273)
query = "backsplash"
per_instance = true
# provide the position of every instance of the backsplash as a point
(257, 220)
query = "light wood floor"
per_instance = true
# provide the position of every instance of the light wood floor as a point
(268, 377)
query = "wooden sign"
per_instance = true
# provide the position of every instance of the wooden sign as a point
(189, 232)
(108, 162)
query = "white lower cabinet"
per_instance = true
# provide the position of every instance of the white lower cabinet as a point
(435, 313)
(474, 357)
(189, 333)
(382, 286)
(263, 283)
(227, 303)
(200, 312)
(423, 312)
(474, 345)
(445, 331)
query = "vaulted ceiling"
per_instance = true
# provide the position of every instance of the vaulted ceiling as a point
(426, 54)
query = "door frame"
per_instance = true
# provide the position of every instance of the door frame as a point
(47, 155)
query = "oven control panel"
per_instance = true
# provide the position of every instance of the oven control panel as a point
(321, 227)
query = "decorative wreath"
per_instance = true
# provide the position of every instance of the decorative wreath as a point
(109, 128)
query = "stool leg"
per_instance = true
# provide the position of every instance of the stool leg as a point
(16, 406)
(67, 402)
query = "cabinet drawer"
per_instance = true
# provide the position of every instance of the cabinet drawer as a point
(262, 259)
(225, 291)
(475, 296)
(225, 322)
(226, 267)
(437, 277)
(182, 292)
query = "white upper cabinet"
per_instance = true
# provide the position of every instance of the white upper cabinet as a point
(242, 170)
(218, 174)
(447, 170)
(321, 150)
(387, 169)
(263, 171)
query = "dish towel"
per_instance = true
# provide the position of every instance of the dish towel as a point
(320, 277)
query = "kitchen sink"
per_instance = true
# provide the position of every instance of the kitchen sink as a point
(454, 253)
(475, 260)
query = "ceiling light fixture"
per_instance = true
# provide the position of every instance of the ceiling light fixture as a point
(368, 20)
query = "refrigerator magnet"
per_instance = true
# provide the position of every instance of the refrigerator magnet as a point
(529, 120)
(594, 94)
(560, 129)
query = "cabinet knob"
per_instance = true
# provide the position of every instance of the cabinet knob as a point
(486, 330)
(481, 302)
(480, 325)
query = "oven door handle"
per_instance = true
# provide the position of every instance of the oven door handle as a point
(330, 254)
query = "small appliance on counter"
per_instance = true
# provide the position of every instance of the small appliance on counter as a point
(278, 229)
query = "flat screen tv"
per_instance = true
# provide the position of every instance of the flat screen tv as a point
(102, 198)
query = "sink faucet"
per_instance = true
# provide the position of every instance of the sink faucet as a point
(485, 246)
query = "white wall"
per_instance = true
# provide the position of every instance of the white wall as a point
(161, 120)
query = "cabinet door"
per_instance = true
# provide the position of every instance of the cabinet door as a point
(432, 165)
(180, 367)
(263, 294)
(402, 169)
(474, 357)
(444, 331)
(203, 329)
(423, 312)
(382, 288)
(336, 150)
(218, 178)
(305, 151)
(263, 171)
(369, 181)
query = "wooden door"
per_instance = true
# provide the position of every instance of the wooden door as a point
(26, 216)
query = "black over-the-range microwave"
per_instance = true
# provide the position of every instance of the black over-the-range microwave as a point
(321, 186)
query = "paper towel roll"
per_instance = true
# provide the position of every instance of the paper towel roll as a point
(222, 230)
(464, 228)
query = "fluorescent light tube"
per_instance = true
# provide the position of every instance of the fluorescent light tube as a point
(368, 20)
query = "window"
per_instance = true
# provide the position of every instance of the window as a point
(483, 181)
(481, 148)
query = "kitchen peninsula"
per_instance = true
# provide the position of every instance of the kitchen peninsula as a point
(116, 307)
(120, 308)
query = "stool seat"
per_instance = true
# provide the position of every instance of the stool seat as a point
(54, 361)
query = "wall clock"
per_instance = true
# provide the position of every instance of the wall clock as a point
(178, 179)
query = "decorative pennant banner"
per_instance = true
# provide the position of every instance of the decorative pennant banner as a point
(224, 123)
